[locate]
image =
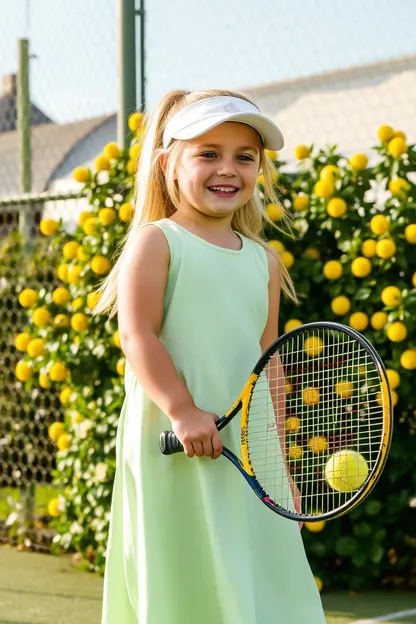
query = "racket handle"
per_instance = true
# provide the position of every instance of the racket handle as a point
(169, 443)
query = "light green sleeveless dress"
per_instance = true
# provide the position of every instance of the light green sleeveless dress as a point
(189, 542)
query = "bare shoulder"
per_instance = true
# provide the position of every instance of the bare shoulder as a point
(147, 244)
(273, 264)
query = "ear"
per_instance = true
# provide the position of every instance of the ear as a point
(163, 159)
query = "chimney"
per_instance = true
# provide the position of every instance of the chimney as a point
(9, 86)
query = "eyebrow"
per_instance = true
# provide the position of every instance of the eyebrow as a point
(243, 148)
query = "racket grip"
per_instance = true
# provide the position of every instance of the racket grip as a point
(169, 443)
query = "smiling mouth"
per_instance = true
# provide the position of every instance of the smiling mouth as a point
(223, 191)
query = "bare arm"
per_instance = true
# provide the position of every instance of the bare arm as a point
(141, 288)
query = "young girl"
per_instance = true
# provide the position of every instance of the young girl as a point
(197, 295)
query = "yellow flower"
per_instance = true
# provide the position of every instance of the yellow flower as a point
(81, 174)
(408, 359)
(336, 207)
(125, 212)
(369, 248)
(28, 297)
(410, 233)
(310, 396)
(358, 321)
(341, 305)
(65, 395)
(60, 296)
(292, 424)
(70, 249)
(64, 442)
(379, 320)
(333, 269)
(89, 226)
(385, 133)
(318, 444)
(358, 162)
(295, 452)
(112, 151)
(386, 248)
(398, 186)
(329, 173)
(324, 189)
(277, 245)
(397, 147)
(93, 298)
(131, 167)
(394, 378)
(313, 346)
(106, 216)
(271, 154)
(302, 152)
(61, 320)
(288, 259)
(361, 267)
(73, 274)
(312, 253)
(379, 224)
(35, 347)
(79, 322)
(275, 212)
(135, 121)
(414, 280)
(319, 583)
(391, 296)
(121, 366)
(41, 317)
(315, 527)
(58, 372)
(397, 332)
(116, 338)
(54, 507)
(55, 430)
(100, 265)
(399, 133)
(82, 256)
(44, 381)
(134, 151)
(300, 203)
(21, 341)
(86, 214)
(48, 227)
(23, 370)
(344, 389)
(62, 272)
(77, 303)
(102, 163)
(292, 324)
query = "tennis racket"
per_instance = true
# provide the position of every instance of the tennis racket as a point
(315, 422)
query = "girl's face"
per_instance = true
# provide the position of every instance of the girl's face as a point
(217, 172)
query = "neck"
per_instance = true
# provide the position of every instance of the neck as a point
(193, 218)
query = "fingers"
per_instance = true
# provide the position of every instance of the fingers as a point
(198, 448)
(216, 445)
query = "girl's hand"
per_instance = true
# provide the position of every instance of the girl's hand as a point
(197, 432)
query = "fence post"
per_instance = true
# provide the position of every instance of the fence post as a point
(24, 119)
(126, 67)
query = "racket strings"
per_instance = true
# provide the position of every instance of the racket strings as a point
(315, 422)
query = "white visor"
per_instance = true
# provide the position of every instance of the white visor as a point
(194, 120)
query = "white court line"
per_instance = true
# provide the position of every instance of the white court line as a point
(386, 618)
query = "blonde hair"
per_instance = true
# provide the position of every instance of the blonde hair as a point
(157, 195)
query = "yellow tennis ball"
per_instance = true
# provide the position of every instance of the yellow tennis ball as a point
(315, 527)
(313, 346)
(346, 470)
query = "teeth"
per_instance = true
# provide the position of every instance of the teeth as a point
(223, 189)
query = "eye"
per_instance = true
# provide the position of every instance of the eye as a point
(246, 158)
(208, 155)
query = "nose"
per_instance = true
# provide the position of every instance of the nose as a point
(226, 167)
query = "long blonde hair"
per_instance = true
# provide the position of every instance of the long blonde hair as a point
(157, 195)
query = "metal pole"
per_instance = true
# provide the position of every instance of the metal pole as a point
(24, 131)
(142, 17)
(24, 115)
(126, 67)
